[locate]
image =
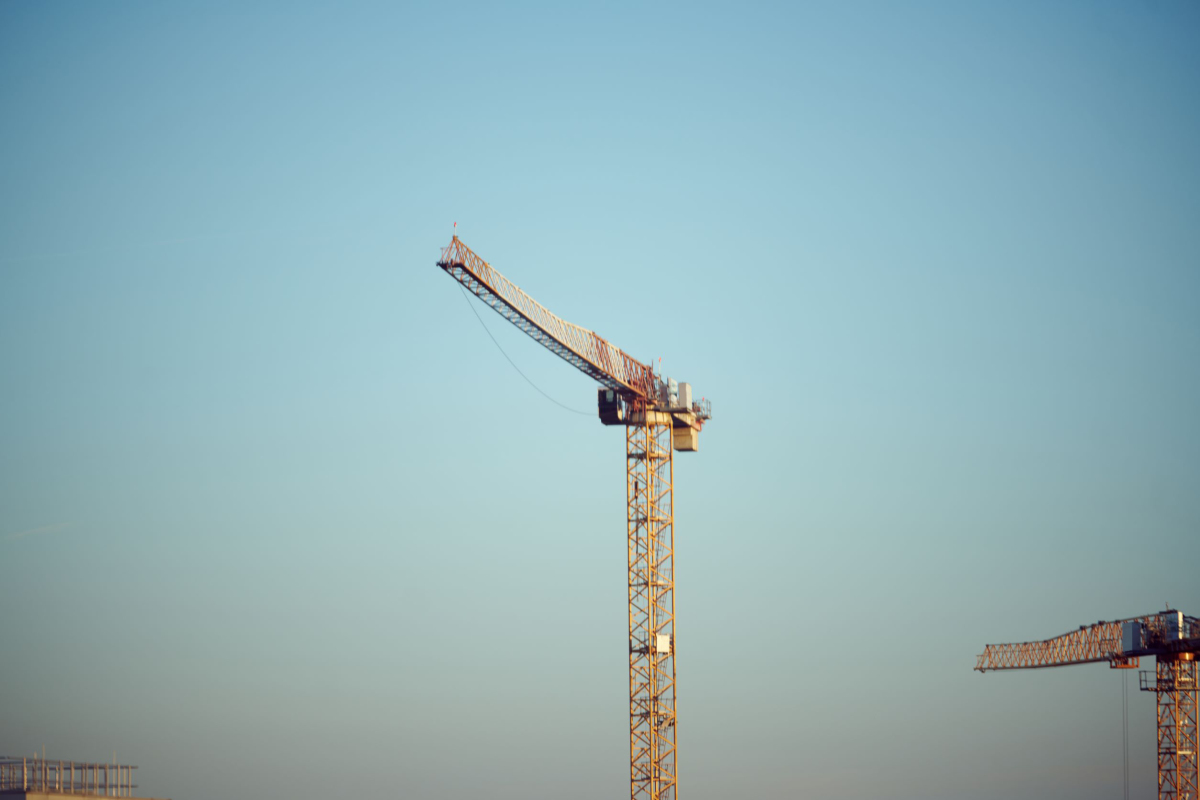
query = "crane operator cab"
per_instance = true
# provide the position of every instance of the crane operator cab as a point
(673, 404)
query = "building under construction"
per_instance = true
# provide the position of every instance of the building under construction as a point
(45, 779)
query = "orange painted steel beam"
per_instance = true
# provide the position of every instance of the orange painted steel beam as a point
(1089, 644)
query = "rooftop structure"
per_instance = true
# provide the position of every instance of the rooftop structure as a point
(42, 777)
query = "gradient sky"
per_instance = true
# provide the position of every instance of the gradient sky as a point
(277, 519)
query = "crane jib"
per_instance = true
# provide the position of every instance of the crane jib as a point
(1101, 641)
(583, 349)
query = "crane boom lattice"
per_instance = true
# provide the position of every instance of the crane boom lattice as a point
(581, 348)
(1088, 644)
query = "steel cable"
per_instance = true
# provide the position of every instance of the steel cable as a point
(467, 300)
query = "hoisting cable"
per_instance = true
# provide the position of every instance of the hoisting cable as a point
(471, 305)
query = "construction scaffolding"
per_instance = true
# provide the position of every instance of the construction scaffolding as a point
(66, 777)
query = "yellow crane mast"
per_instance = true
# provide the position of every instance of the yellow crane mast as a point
(659, 416)
(1173, 639)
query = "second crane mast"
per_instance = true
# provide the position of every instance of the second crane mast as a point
(659, 417)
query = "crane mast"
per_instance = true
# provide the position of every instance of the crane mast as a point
(659, 417)
(1173, 639)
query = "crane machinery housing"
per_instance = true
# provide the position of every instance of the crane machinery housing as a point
(659, 416)
(1173, 639)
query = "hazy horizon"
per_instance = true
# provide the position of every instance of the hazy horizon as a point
(277, 519)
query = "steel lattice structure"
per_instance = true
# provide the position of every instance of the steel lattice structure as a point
(583, 349)
(1173, 639)
(650, 491)
(1089, 644)
(30, 776)
(1175, 685)
(657, 422)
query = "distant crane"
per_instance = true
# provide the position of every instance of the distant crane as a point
(1173, 639)
(659, 416)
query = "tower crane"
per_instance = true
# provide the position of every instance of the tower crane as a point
(659, 416)
(1173, 639)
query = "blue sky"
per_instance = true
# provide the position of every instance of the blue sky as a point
(277, 519)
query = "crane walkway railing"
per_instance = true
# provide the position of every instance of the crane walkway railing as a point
(583, 349)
